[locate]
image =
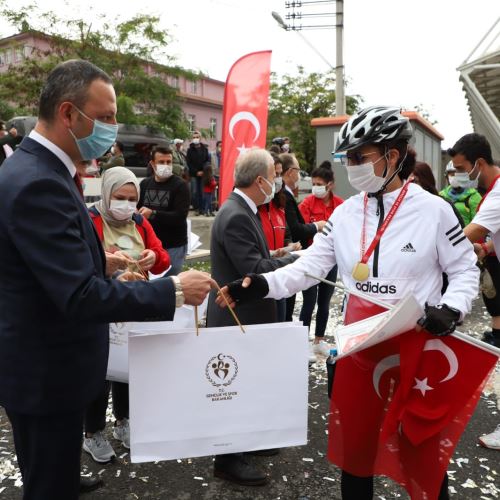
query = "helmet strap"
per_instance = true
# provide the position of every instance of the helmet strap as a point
(396, 172)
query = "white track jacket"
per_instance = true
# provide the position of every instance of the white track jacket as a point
(423, 240)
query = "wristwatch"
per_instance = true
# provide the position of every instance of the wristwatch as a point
(179, 294)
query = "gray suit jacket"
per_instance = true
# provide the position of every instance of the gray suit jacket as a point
(238, 247)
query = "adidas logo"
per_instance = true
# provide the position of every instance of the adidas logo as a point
(408, 248)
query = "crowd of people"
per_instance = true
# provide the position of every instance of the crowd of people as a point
(77, 268)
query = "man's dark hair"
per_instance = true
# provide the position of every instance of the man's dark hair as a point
(218, 143)
(160, 150)
(68, 81)
(326, 164)
(120, 145)
(472, 146)
(323, 173)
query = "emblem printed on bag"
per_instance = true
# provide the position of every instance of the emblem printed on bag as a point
(221, 370)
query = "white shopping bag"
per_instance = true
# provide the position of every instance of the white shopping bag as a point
(119, 334)
(223, 391)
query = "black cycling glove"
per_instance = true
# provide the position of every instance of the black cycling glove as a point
(258, 288)
(439, 320)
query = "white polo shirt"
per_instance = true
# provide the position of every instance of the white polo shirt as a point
(489, 215)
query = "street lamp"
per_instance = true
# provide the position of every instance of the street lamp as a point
(340, 107)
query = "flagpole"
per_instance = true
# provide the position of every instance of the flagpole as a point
(462, 336)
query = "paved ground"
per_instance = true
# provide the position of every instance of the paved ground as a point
(301, 473)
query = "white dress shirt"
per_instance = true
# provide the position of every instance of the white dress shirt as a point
(249, 201)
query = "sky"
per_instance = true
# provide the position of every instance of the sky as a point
(396, 52)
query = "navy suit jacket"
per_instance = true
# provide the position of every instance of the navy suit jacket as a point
(55, 302)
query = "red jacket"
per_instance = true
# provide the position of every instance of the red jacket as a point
(313, 209)
(151, 241)
(274, 225)
(211, 187)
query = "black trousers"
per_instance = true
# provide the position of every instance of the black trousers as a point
(95, 414)
(48, 452)
(361, 488)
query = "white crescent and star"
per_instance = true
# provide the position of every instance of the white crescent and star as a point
(244, 116)
(420, 384)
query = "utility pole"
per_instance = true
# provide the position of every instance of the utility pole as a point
(340, 105)
(294, 15)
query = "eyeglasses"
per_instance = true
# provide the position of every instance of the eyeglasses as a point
(355, 158)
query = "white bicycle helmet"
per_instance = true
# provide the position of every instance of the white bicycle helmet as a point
(374, 125)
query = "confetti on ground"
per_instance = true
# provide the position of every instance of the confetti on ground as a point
(285, 479)
(329, 479)
(469, 484)
(308, 459)
(198, 478)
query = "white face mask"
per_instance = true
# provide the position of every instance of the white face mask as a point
(363, 178)
(122, 209)
(196, 141)
(278, 183)
(269, 197)
(463, 180)
(319, 191)
(163, 171)
(285, 148)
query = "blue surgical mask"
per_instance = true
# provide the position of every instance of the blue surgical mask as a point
(103, 136)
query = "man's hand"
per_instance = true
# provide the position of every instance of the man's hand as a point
(252, 286)
(199, 174)
(439, 320)
(479, 249)
(145, 212)
(13, 131)
(115, 262)
(320, 225)
(147, 260)
(195, 286)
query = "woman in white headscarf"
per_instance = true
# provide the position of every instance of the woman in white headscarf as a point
(121, 228)
(125, 232)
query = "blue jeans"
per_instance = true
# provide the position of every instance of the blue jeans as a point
(323, 293)
(207, 203)
(177, 257)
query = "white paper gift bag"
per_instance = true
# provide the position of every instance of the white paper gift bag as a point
(119, 333)
(223, 391)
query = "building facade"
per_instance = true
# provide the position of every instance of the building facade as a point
(201, 100)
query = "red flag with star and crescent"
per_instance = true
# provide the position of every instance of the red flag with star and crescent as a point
(244, 122)
(399, 408)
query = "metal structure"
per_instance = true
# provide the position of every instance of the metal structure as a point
(480, 75)
(295, 16)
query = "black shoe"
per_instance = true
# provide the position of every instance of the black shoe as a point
(271, 452)
(236, 469)
(88, 484)
(490, 338)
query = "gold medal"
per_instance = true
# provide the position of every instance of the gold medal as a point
(361, 271)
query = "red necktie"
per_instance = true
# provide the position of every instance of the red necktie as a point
(78, 183)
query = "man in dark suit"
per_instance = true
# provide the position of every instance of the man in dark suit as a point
(299, 230)
(238, 247)
(55, 299)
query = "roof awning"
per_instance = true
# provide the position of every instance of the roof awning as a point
(480, 75)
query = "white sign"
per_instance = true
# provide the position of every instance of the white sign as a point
(368, 332)
(221, 392)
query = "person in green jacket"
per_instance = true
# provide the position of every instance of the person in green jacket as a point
(462, 193)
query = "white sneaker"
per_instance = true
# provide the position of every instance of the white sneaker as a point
(491, 440)
(99, 448)
(322, 348)
(122, 433)
(312, 355)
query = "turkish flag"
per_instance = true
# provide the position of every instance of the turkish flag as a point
(244, 123)
(399, 408)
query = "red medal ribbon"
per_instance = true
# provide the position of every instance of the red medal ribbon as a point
(392, 212)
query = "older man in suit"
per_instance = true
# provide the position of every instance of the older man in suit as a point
(238, 247)
(55, 299)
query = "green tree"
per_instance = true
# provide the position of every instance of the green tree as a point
(129, 51)
(294, 100)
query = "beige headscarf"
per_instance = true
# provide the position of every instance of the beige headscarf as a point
(118, 231)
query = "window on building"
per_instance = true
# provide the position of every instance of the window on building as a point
(175, 82)
(192, 122)
(27, 51)
(194, 87)
(2, 59)
(7, 57)
(213, 128)
(18, 54)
